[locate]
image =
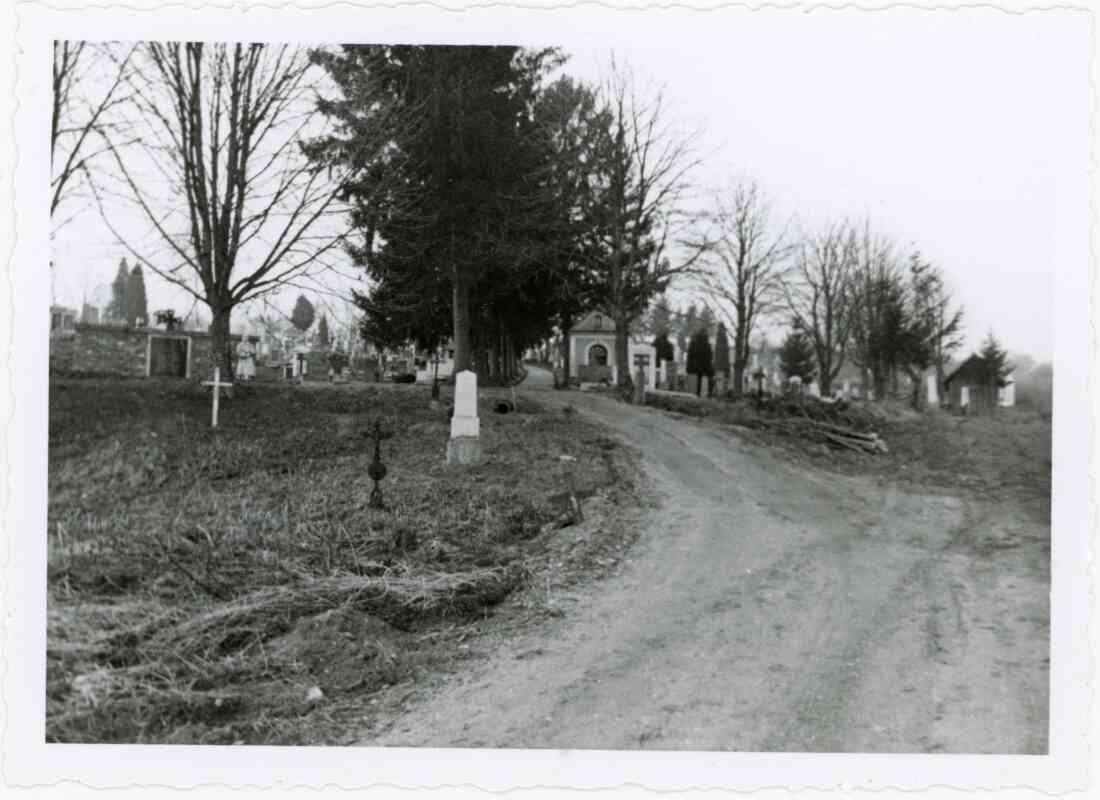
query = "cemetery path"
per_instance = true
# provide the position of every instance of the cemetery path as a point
(766, 607)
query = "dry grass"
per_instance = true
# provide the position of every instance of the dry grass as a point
(202, 581)
(1005, 456)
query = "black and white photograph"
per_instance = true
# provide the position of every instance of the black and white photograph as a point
(670, 383)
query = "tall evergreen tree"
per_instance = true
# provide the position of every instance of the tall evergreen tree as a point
(569, 126)
(995, 367)
(117, 308)
(452, 240)
(137, 311)
(303, 314)
(323, 337)
(663, 347)
(700, 358)
(722, 353)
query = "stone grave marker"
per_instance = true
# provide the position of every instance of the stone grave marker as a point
(670, 376)
(464, 446)
(933, 391)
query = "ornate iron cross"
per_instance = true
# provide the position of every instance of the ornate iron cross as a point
(376, 471)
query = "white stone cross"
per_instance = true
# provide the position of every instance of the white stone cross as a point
(218, 386)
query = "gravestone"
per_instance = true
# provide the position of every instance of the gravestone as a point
(670, 375)
(815, 389)
(933, 391)
(639, 386)
(464, 446)
(964, 398)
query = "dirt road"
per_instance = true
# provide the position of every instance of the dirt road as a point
(770, 608)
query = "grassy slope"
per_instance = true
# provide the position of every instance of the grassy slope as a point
(202, 581)
(1005, 457)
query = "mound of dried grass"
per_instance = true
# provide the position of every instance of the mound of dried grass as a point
(402, 601)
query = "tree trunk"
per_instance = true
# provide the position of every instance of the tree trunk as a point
(738, 377)
(566, 355)
(460, 312)
(881, 380)
(479, 362)
(221, 354)
(622, 353)
(917, 396)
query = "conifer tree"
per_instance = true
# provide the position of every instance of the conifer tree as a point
(303, 314)
(116, 309)
(797, 357)
(722, 353)
(700, 359)
(995, 367)
(663, 347)
(137, 311)
(323, 336)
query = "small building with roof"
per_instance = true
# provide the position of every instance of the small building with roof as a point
(592, 352)
(968, 386)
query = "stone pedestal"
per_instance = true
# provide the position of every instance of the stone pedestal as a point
(465, 444)
(463, 450)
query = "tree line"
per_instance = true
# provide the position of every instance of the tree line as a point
(508, 203)
(846, 295)
(486, 197)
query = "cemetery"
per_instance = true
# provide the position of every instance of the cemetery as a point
(211, 584)
(470, 326)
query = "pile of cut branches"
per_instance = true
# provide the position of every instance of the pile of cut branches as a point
(826, 433)
(856, 416)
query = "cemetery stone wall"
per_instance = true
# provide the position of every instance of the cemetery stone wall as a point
(120, 351)
(100, 350)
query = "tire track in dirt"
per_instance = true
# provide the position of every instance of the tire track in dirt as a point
(764, 607)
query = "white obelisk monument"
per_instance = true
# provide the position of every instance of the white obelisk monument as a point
(464, 446)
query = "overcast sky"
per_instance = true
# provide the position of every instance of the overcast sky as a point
(956, 133)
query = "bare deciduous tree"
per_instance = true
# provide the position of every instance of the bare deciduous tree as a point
(216, 168)
(88, 81)
(876, 305)
(818, 297)
(744, 258)
(647, 168)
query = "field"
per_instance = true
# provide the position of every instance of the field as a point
(232, 585)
